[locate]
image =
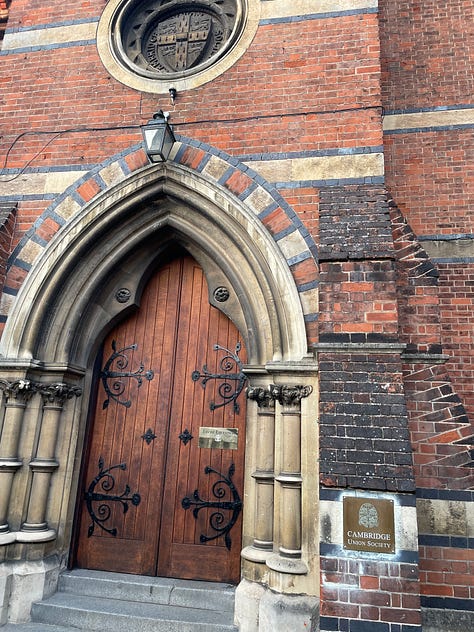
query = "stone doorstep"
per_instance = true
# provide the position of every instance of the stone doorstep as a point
(35, 627)
(93, 600)
(143, 589)
(114, 615)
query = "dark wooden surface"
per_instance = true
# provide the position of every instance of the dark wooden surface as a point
(175, 331)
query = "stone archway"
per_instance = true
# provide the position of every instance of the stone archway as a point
(115, 229)
(74, 293)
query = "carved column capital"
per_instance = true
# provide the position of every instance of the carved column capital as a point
(58, 392)
(20, 390)
(289, 395)
(261, 395)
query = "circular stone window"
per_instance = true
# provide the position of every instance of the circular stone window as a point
(153, 45)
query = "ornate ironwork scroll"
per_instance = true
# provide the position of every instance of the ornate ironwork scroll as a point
(107, 484)
(229, 362)
(217, 519)
(117, 377)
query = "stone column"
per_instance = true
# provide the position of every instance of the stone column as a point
(264, 475)
(35, 528)
(16, 395)
(289, 479)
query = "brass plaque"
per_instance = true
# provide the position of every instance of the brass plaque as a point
(223, 438)
(369, 524)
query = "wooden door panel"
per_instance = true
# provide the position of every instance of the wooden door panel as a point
(174, 333)
(119, 428)
(219, 560)
(186, 466)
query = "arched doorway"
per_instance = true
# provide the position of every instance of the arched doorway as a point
(165, 468)
(90, 278)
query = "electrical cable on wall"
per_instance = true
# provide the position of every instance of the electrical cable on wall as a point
(76, 130)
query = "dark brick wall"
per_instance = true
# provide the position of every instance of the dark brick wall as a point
(364, 435)
(354, 223)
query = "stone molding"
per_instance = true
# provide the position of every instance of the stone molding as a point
(17, 394)
(58, 392)
(280, 537)
(20, 390)
(261, 395)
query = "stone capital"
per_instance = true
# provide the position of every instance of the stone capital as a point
(20, 390)
(290, 395)
(261, 395)
(58, 392)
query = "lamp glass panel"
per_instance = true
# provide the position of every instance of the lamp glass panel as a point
(168, 142)
(154, 138)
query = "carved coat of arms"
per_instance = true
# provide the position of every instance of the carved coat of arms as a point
(182, 41)
(174, 36)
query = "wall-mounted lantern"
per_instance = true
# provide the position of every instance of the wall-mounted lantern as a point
(158, 137)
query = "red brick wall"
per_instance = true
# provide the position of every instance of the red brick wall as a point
(438, 420)
(427, 175)
(426, 56)
(447, 572)
(282, 106)
(358, 298)
(456, 296)
(266, 109)
(33, 12)
(368, 591)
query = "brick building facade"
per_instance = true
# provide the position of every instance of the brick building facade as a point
(323, 164)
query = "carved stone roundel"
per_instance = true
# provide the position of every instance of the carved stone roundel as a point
(174, 38)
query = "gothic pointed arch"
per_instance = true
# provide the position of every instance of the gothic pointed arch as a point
(115, 226)
(119, 220)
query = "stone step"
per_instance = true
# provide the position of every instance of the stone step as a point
(36, 627)
(116, 615)
(157, 590)
(96, 600)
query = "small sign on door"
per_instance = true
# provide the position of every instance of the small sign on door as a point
(221, 438)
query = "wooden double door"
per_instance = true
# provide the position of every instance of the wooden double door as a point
(163, 482)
